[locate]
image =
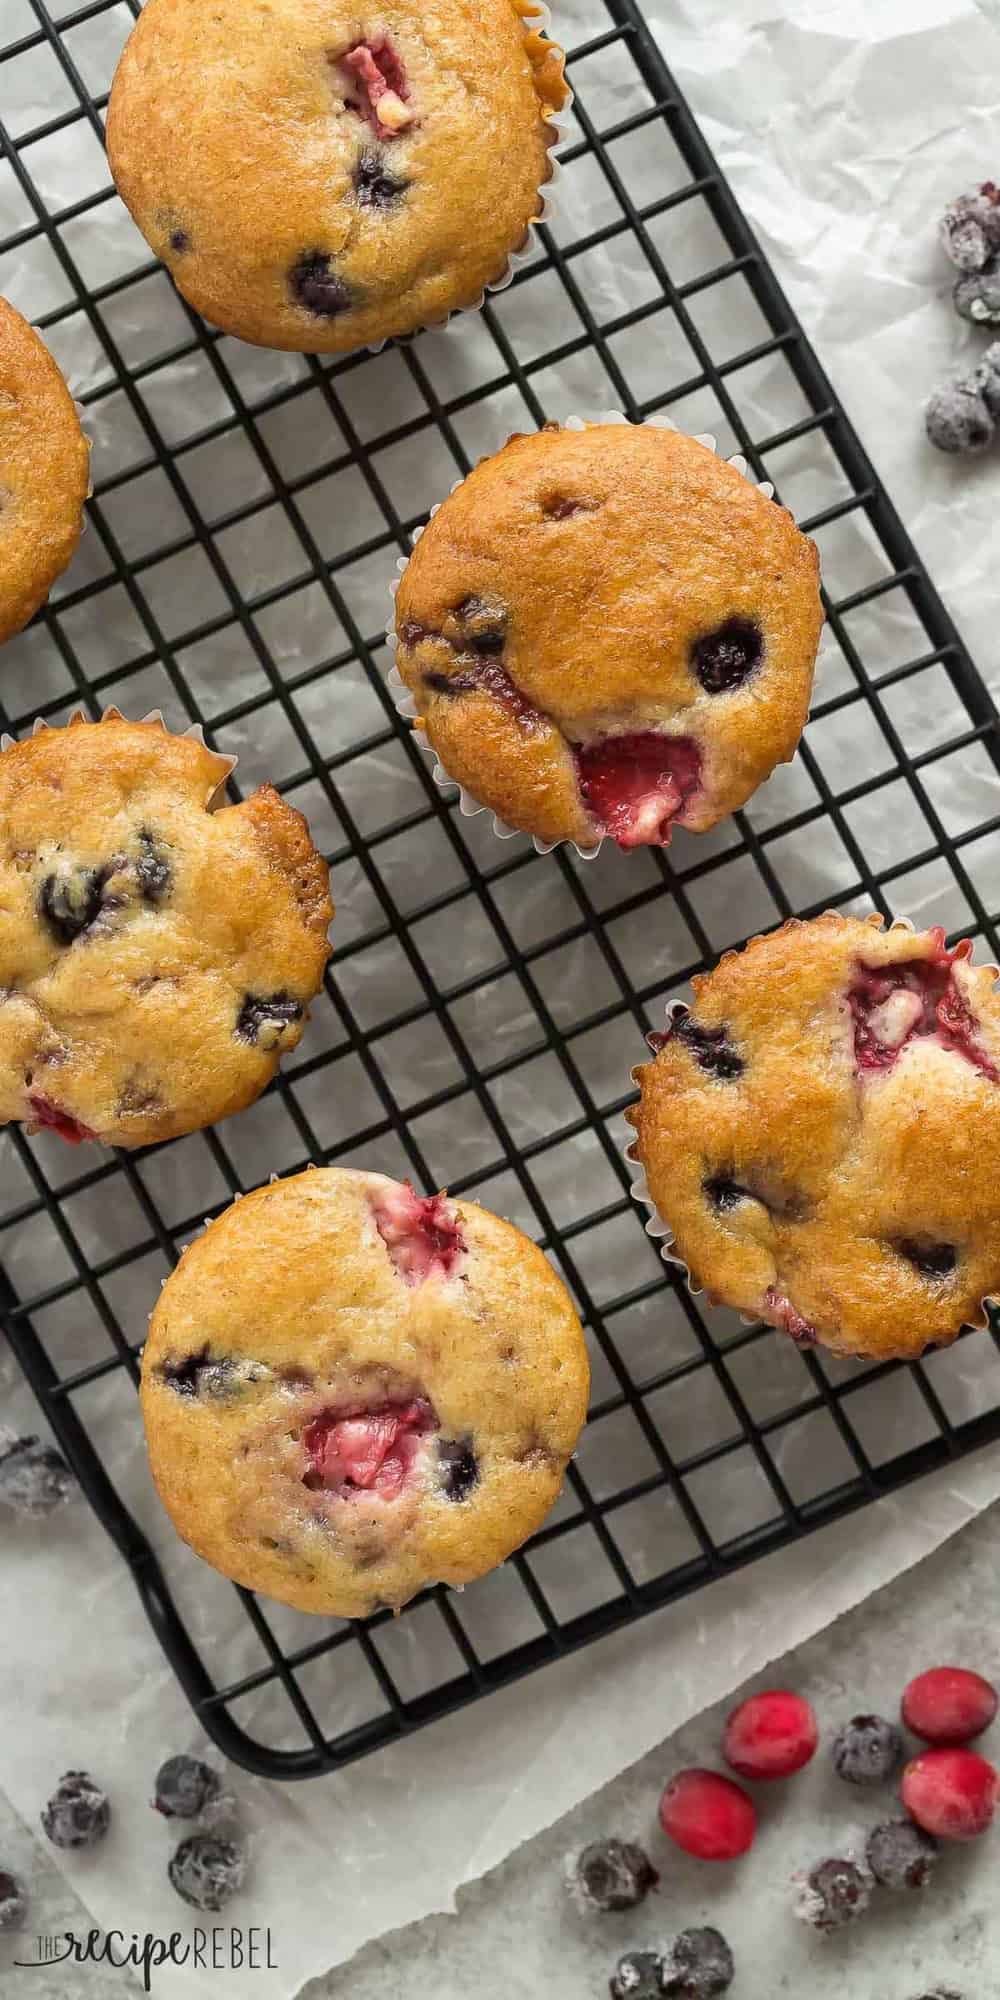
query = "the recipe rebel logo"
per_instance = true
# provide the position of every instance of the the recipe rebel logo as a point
(221, 1948)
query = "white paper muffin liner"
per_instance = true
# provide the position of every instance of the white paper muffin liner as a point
(112, 714)
(539, 21)
(658, 1228)
(403, 701)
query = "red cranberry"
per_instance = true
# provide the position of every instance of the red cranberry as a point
(771, 1735)
(951, 1793)
(635, 786)
(42, 1111)
(708, 1815)
(366, 1451)
(422, 1233)
(949, 1705)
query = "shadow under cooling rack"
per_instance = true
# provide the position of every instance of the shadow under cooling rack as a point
(483, 1006)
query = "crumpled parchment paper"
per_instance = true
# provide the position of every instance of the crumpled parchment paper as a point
(844, 127)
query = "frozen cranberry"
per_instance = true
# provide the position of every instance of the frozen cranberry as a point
(708, 1815)
(949, 1705)
(315, 284)
(636, 786)
(771, 1735)
(951, 1793)
(724, 659)
(422, 1233)
(366, 1451)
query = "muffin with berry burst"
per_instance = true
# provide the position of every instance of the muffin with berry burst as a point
(351, 1391)
(388, 165)
(44, 472)
(156, 956)
(609, 630)
(821, 1133)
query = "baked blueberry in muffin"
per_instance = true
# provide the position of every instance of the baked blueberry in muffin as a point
(609, 630)
(821, 1132)
(321, 180)
(44, 472)
(156, 957)
(351, 1391)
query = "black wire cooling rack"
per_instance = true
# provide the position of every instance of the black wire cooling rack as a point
(239, 496)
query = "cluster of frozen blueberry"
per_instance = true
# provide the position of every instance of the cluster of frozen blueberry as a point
(963, 416)
(207, 1868)
(948, 1793)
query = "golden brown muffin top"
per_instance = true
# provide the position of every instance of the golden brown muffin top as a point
(822, 1134)
(350, 1392)
(609, 629)
(156, 957)
(318, 179)
(44, 472)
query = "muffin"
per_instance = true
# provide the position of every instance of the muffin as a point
(319, 182)
(156, 957)
(818, 1133)
(351, 1391)
(44, 472)
(609, 630)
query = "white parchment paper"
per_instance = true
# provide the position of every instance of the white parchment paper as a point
(844, 127)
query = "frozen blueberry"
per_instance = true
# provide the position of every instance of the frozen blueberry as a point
(698, 1965)
(833, 1894)
(375, 186)
(724, 659)
(932, 1260)
(459, 1467)
(199, 1375)
(153, 871)
(723, 1193)
(612, 1875)
(71, 903)
(78, 1813)
(207, 1871)
(13, 1902)
(970, 228)
(958, 419)
(184, 1786)
(637, 1976)
(901, 1855)
(315, 285)
(977, 295)
(709, 1048)
(34, 1479)
(867, 1751)
(263, 1017)
(986, 378)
